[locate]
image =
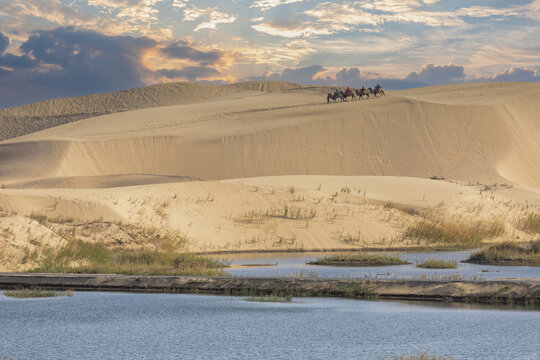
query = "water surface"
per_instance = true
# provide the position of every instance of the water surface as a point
(165, 326)
(294, 264)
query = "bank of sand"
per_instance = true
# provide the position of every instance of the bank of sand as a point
(268, 166)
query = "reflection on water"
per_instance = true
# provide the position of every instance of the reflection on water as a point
(294, 264)
(164, 326)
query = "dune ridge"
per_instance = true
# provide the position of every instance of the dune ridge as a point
(22, 120)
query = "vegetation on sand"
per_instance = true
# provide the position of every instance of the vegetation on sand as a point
(358, 260)
(530, 223)
(437, 264)
(508, 253)
(36, 293)
(455, 232)
(95, 258)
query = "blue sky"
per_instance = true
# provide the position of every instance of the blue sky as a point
(51, 48)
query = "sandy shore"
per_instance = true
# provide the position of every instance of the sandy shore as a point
(525, 292)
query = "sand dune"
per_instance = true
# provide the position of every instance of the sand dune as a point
(295, 132)
(22, 120)
(265, 149)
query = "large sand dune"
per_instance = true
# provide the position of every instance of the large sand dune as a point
(485, 137)
(267, 148)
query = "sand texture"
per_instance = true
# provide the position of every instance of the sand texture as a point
(267, 166)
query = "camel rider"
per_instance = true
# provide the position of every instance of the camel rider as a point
(336, 94)
(348, 90)
(378, 87)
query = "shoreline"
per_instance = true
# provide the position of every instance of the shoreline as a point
(365, 249)
(519, 292)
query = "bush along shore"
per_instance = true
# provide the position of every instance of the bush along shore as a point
(437, 264)
(508, 253)
(164, 258)
(358, 260)
(36, 293)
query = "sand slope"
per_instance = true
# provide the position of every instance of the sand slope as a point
(22, 120)
(490, 138)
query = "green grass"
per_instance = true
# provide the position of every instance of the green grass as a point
(455, 233)
(437, 264)
(530, 223)
(508, 253)
(94, 258)
(358, 260)
(272, 298)
(36, 293)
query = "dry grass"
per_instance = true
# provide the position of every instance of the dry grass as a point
(437, 264)
(530, 223)
(36, 293)
(454, 232)
(508, 253)
(358, 260)
(287, 213)
(165, 258)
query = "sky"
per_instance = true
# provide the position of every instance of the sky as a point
(59, 48)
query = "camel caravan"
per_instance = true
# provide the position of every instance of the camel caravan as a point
(353, 94)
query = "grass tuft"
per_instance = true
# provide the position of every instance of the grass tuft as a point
(508, 253)
(530, 223)
(437, 264)
(455, 233)
(36, 293)
(357, 260)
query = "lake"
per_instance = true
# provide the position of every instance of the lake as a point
(93, 325)
(294, 264)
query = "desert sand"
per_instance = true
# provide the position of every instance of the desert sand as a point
(265, 166)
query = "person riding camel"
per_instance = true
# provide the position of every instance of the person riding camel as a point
(336, 94)
(348, 90)
(378, 87)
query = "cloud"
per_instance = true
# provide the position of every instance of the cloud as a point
(184, 50)
(12, 61)
(290, 29)
(4, 43)
(191, 73)
(212, 16)
(269, 4)
(71, 62)
(302, 75)
(513, 74)
(353, 76)
(113, 17)
(435, 74)
(131, 10)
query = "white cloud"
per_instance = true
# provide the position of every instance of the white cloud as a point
(269, 4)
(297, 29)
(513, 74)
(212, 16)
(180, 3)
